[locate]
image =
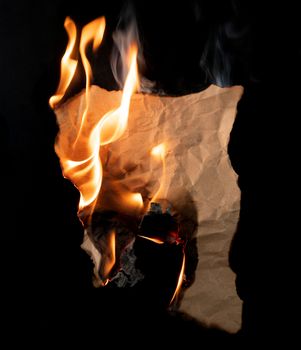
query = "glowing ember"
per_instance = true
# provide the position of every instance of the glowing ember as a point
(68, 65)
(180, 280)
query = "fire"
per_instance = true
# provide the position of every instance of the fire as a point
(159, 152)
(134, 200)
(92, 32)
(68, 65)
(79, 151)
(180, 280)
(114, 123)
(110, 257)
(82, 165)
(155, 240)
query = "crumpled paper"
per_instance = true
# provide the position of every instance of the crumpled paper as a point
(199, 179)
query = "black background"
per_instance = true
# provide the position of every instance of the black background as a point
(45, 276)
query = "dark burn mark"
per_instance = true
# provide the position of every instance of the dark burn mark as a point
(141, 263)
(160, 225)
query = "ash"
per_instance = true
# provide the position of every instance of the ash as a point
(128, 275)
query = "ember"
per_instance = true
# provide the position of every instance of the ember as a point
(115, 237)
(156, 224)
(159, 225)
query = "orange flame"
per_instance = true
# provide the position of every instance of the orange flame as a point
(159, 152)
(86, 174)
(110, 127)
(110, 256)
(82, 165)
(92, 32)
(180, 280)
(114, 123)
(134, 200)
(68, 65)
(155, 240)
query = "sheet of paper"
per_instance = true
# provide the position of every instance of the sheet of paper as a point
(199, 182)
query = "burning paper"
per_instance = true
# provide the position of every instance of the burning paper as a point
(125, 151)
(191, 171)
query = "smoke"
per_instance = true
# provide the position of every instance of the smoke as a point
(225, 51)
(125, 35)
(222, 30)
(215, 60)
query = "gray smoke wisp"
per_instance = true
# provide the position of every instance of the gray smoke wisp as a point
(215, 60)
(125, 34)
(225, 51)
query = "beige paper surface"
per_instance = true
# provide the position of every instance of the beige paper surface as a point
(195, 130)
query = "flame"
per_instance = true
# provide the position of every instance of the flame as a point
(110, 127)
(159, 152)
(82, 165)
(155, 240)
(110, 256)
(68, 65)
(180, 280)
(135, 200)
(86, 174)
(92, 32)
(114, 123)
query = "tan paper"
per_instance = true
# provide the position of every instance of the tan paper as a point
(195, 130)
